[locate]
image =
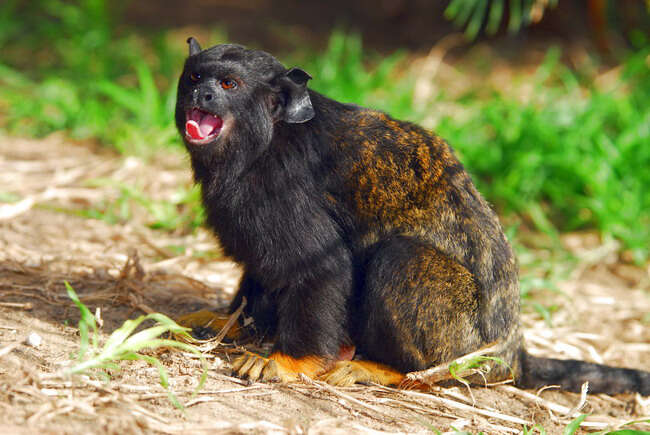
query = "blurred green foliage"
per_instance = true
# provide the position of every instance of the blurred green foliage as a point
(565, 159)
(83, 76)
(341, 72)
(180, 212)
(477, 14)
(569, 157)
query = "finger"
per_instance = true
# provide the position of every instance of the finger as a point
(256, 369)
(250, 360)
(239, 361)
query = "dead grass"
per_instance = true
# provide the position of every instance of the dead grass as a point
(124, 270)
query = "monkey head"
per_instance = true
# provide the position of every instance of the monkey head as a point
(230, 97)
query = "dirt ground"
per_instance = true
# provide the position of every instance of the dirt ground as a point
(127, 269)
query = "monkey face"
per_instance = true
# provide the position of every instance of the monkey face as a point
(232, 96)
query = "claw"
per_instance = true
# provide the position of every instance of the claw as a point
(277, 368)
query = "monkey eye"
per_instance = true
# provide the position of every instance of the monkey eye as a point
(195, 77)
(228, 84)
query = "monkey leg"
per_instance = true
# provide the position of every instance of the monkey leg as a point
(418, 308)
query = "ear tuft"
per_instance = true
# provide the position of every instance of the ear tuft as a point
(297, 104)
(195, 48)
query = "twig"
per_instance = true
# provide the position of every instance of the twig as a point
(32, 340)
(231, 321)
(213, 343)
(555, 407)
(325, 386)
(573, 412)
(25, 306)
(461, 406)
(215, 398)
(8, 349)
(441, 372)
(10, 211)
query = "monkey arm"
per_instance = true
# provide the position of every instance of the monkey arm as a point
(312, 311)
(312, 320)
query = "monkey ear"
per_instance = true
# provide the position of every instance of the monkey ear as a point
(195, 48)
(297, 104)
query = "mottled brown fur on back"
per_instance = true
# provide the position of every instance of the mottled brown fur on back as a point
(405, 180)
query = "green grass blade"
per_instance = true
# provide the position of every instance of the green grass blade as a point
(495, 16)
(149, 95)
(162, 374)
(86, 322)
(117, 338)
(574, 425)
(126, 98)
(514, 23)
(476, 21)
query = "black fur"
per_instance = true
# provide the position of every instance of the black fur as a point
(571, 374)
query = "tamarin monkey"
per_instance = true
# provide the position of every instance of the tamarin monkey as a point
(356, 232)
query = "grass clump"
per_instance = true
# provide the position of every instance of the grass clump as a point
(477, 364)
(124, 344)
(565, 160)
(182, 211)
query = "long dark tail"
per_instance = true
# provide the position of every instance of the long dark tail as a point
(571, 374)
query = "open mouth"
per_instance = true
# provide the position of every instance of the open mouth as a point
(201, 127)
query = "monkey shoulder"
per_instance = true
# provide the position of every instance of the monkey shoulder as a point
(398, 172)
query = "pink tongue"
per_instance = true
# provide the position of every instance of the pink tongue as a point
(199, 130)
(192, 128)
(208, 124)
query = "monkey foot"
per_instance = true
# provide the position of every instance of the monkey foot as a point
(207, 324)
(276, 368)
(346, 373)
